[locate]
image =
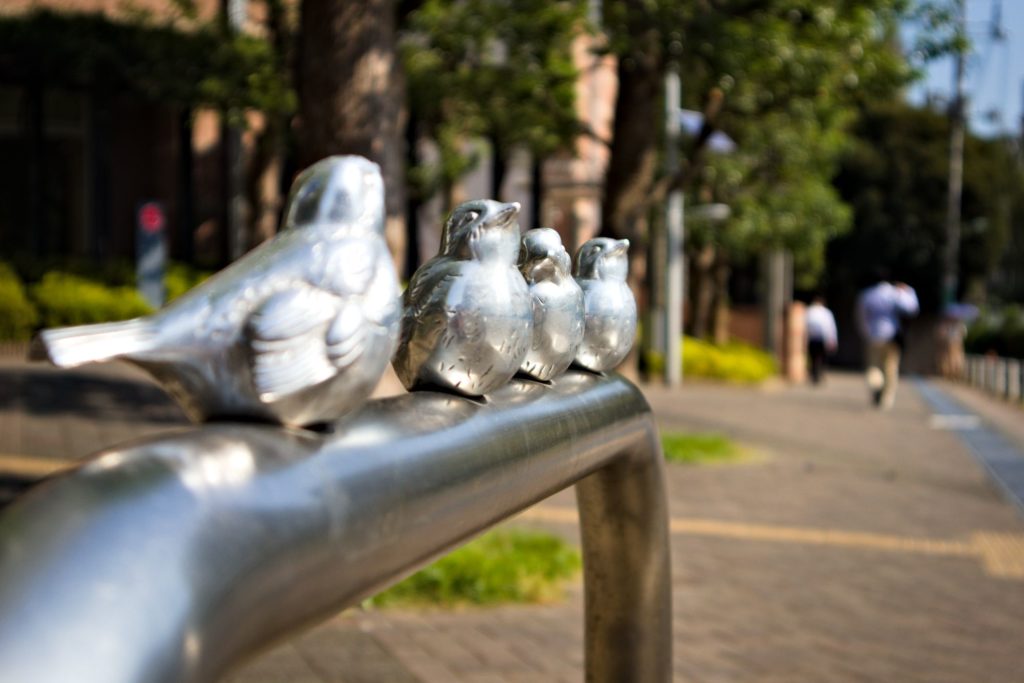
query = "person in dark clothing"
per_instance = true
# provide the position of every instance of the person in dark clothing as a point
(822, 337)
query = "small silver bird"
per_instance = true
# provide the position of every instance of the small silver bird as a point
(467, 316)
(298, 331)
(557, 304)
(609, 318)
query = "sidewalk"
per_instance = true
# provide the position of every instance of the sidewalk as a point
(854, 546)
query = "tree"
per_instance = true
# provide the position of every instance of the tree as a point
(780, 76)
(894, 178)
(351, 94)
(492, 69)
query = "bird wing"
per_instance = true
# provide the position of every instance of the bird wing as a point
(287, 337)
(426, 293)
(346, 338)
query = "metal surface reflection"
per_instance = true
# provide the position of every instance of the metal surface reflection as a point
(177, 558)
(467, 318)
(298, 331)
(557, 304)
(609, 307)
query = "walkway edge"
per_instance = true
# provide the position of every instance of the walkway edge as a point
(1000, 456)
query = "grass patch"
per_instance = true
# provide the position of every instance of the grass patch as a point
(502, 566)
(698, 448)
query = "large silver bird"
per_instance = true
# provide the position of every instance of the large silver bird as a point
(557, 304)
(298, 331)
(609, 318)
(467, 316)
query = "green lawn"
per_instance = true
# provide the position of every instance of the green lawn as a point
(502, 566)
(696, 448)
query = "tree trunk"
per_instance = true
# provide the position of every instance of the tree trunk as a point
(415, 201)
(266, 185)
(499, 167)
(634, 153)
(537, 199)
(351, 94)
(633, 163)
(264, 182)
(720, 313)
(703, 291)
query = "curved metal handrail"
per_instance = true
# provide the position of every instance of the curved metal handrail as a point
(176, 558)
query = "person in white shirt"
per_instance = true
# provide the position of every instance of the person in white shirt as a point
(822, 337)
(880, 309)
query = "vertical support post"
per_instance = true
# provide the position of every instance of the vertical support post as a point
(950, 281)
(1020, 381)
(98, 177)
(774, 267)
(36, 133)
(1006, 379)
(185, 242)
(626, 563)
(237, 213)
(674, 235)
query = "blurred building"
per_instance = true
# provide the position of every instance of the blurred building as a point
(78, 156)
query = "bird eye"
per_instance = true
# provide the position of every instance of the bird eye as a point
(472, 216)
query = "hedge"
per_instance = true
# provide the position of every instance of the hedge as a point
(1000, 333)
(733, 362)
(18, 317)
(66, 299)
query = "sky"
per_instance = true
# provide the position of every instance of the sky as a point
(995, 70)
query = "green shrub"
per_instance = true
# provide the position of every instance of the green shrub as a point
(732, 362)
(180, 278)
(500, 566)
(698, 448)
(999, 332)
(18, 317)
(66, 299)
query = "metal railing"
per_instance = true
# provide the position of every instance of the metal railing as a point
(177, 558)
(1003, 377)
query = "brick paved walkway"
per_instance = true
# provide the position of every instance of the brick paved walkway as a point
(854, 546)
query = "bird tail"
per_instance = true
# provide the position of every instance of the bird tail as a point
(68, 347)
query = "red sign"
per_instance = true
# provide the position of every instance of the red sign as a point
(151, 217)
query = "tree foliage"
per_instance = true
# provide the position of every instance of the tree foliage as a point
(491, 69)
(895, 177)
(157, 61)
(802, 70)
(784, 77)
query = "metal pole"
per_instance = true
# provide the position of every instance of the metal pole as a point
(177, 558)
(950, 283)
(674, 236)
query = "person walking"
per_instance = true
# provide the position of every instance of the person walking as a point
(880, 309)
(822, 337)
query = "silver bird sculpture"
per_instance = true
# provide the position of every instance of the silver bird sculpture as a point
(609, 317)
(298, 331)
(467, 317)
(557, 304)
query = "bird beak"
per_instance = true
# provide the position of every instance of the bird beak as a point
(620, 248)
(506, 214)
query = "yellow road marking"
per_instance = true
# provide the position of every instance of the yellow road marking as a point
(29, 466)
(1001, 554)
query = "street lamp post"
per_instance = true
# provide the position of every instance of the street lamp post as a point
(674, 228)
